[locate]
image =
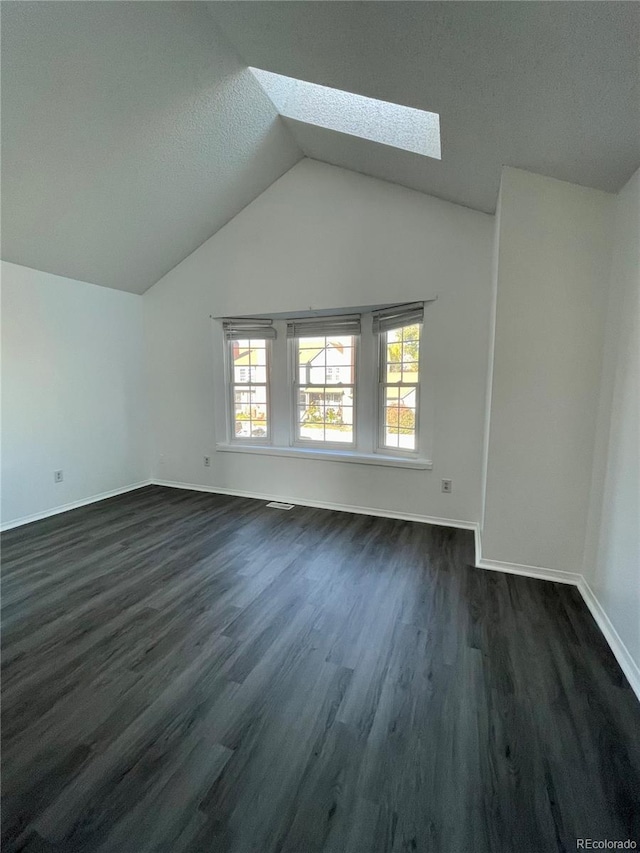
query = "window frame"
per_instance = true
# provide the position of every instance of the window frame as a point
(382, 386)
(232, 385)
(293, 359)
(282, 388)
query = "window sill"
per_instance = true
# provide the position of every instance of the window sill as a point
(329, 455)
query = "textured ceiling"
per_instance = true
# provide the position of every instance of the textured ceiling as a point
(551, 87)
(131, 132)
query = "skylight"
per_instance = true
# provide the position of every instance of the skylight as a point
(380, 121)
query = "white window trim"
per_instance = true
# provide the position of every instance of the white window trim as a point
(282, 408)
(381, 408)
(296, 440)
(326, 455)
(230, 387)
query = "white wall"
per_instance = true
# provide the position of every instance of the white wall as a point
(554, 246)
(612, 553)
(328, 238)
(72, 391)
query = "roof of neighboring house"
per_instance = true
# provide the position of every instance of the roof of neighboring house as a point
(319, 350)
(242, 359)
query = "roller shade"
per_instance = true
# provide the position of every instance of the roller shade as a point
(257, 330)
(347, 324)
(398, 316)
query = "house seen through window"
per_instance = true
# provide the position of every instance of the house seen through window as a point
(325, 389)
(325, 398)
(250, 388)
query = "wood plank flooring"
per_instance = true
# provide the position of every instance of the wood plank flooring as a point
(192, 672)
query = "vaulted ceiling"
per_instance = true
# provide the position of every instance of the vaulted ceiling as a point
(132, 131)
(551, 87)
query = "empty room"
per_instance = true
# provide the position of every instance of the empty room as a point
(320, 426)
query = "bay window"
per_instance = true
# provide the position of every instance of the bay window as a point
(344, 386)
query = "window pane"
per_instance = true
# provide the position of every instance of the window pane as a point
(326, 376)
(242, 375)
(311, 421)
(392, 396)
(401, 353)
(410, 371)
(403, 345)
(316, 374)
(410, 351)
(240, 350)
(410, 333)
(342, 433)
(394, 371)
(258, 353)
(242, 420)
(249, 388)
(326, 414)
(407, 441)
(400, 418)
(249, 360)
(327, 360)
(391, 440)
(340, 365)
(259, 374)
(401, 358)
(259, 395)
(250, 412)
(310, 347)
(408, 398)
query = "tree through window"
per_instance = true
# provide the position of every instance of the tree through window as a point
(399, 387)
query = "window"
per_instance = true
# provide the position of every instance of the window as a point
(391, 124)
(399, 387)
(324, 379)
(248, 361)
(331, 374)
(249, 388)
(324, 388)
(399, 376)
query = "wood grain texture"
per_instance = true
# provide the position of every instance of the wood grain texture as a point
(192, 672)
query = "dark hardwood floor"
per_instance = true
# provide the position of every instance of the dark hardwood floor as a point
(192, 672)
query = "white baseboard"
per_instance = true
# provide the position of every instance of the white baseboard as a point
(620, 651)
(530, 571)
(38, 516)
(627, 664)
(539, 572)
(358, 510)
(617, 646)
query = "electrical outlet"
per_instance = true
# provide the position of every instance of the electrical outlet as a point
(447, 487)
(57, 476)
(207, 462)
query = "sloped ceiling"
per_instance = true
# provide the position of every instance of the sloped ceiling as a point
(551, 87)
(131, 132)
